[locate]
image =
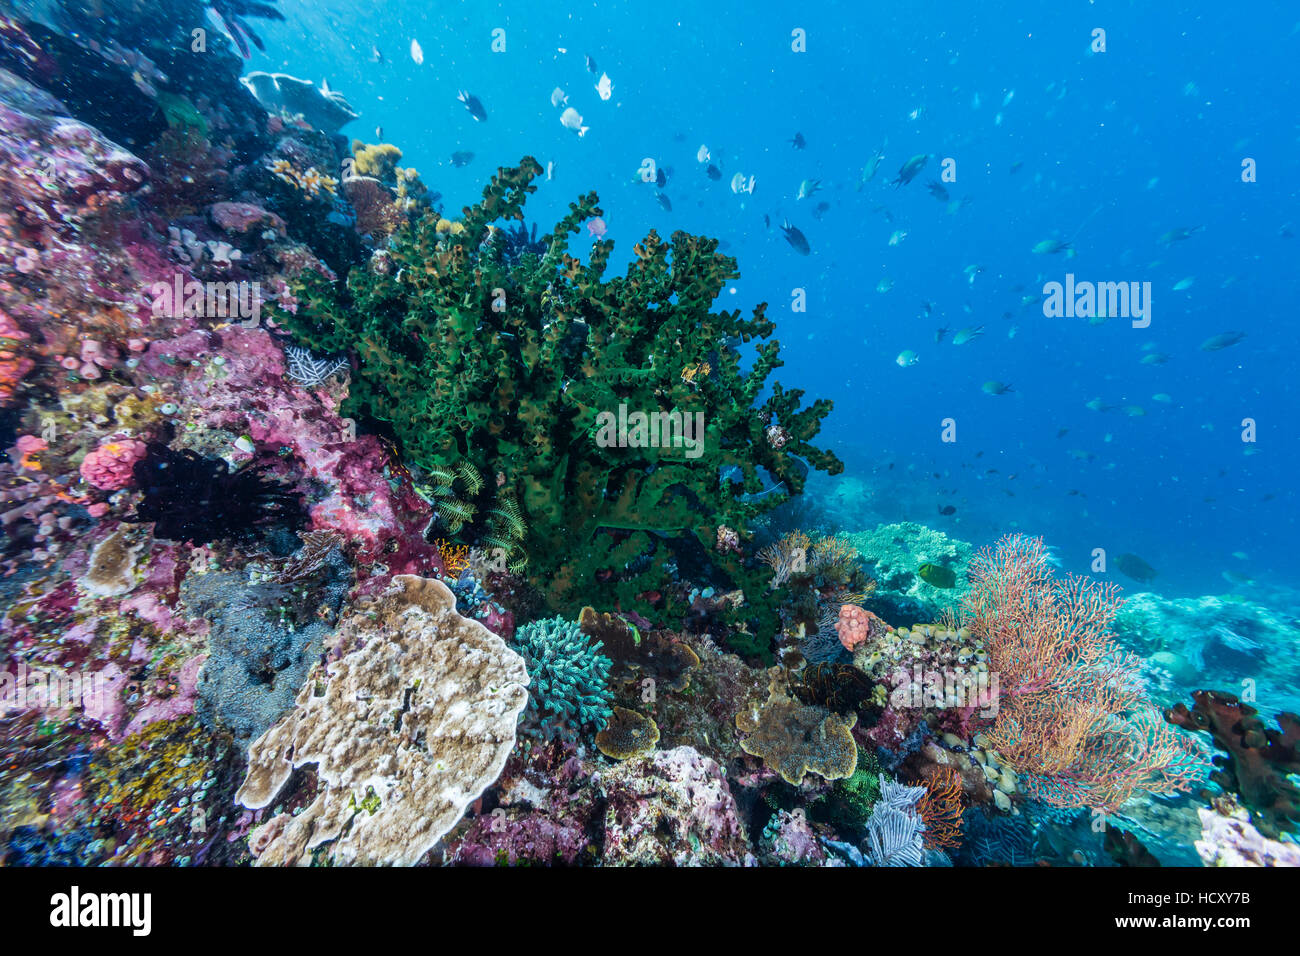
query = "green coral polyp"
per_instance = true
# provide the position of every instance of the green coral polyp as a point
(479, 360)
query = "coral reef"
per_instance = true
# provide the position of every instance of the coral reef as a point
(525, 368)
(406, 731)
(794, 738)
(570, 678)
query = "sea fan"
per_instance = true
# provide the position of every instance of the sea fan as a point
(192, 498)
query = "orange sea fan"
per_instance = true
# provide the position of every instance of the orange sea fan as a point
(941, 808)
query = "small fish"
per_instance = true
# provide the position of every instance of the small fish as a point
(591, 66)
(572, 119)
(1011, 332)
(605, 86)
(702, 154)
(821, 210)
(1134, 411)
(461, 158)
(1182, 284)
(1162, 397)
(869, 170)
(936, 575)
(1006, 100)
(907, 358)
(550, 170)
(472, 104)
(907, 172)
(664, 201)
(1050, 247)
(376, 55)
(1222, 341)
(939, 334)
(884, 285)
(661, 177)
(558, 98)
(798, 142)
(417, 54)
(808, 187)
(379, 134)
(1081, 455)
(937, 190)
(995, 388)
(967, 334)
(1179, 234)
(898, 236)
(947, 510)
(1155, 358)
(740, 185)
(796, 238)
(1130, 565)
(1097, 405)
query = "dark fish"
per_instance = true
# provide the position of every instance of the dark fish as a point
(822, 209)
(664, 201)
(473, 104)
(937, 576)
(937, 190)
(591, 65)
(713, 171)
(798, 142)
(1134, 567)
(795, 238)
(767, 221)
(461, 158)
(947, 509)
(909, 169)
(1218, 342)
(661, 178)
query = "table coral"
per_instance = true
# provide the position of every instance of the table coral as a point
(404, 733)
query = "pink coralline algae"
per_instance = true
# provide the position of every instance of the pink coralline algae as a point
(109, 466)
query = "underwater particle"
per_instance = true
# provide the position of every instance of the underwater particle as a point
(1134, 567)
(937, 575)
(627, 734)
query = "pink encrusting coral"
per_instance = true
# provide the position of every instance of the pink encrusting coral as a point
(109, 466)
(855, 625)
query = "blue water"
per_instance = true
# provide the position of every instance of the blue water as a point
(1116, 148)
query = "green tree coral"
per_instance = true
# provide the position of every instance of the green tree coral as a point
(469, 352)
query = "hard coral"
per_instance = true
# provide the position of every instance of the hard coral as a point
(110, 466)
(570, 678)
(404, 733)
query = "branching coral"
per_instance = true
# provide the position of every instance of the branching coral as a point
(1072, 721)
(570, 678)
(519, 365)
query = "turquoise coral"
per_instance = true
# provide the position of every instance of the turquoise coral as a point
(569, 678)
